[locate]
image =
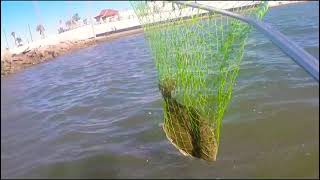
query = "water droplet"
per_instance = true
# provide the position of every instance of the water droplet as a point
(254, 110)
(150, 113)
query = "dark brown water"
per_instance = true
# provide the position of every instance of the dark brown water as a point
(95, 113)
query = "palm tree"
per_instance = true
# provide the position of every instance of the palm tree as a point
(41, 30)
(19, 40)
(60, 29)
(68, 24)
(85, 21)
(76, 17)
(13, 34)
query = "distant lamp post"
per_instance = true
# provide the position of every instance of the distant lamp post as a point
(30, 33)
(5, 36)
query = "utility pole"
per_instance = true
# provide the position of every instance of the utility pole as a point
(92, 26)
(5, 35)
(91, 20)
(30, 33)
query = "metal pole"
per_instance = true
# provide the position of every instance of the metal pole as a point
(91, 20)
(5, 36)
(92, 26)
(30, 33)
(289, 47)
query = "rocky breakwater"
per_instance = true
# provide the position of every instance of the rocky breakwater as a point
(11, 63)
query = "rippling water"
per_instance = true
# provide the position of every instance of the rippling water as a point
(96, 113)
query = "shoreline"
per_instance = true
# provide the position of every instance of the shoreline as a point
(13, 62)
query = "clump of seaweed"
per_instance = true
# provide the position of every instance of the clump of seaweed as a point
(185, 127)
(197, 56)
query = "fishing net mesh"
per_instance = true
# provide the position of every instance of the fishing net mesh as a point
(197, 55)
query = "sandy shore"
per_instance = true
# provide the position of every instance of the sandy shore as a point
(11, 63)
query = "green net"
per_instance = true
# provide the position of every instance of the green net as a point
(197, 54)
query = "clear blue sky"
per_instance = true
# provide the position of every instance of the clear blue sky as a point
(16, 15)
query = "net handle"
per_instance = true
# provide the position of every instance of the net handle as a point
(289, 47)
